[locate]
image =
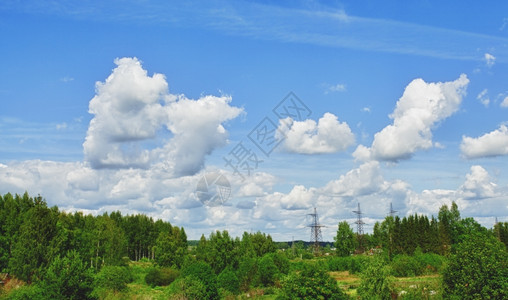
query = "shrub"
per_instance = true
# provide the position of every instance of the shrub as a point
(160, 277)
(113, 278)
(405, 266)
(313, 282)
(202, 272)
(339, 263)
(189, 287)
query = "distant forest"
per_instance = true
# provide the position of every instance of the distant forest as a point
(59, 255)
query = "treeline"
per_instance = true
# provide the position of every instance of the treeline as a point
(395, 235)
(33, 234)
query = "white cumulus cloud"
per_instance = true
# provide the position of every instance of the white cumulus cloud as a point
(137, 123)
(422, 106)
(328, 135)
(494, 143)
(478, 184)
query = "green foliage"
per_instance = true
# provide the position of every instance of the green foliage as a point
(247, 270)
(376, 281)
(267, 270)
(190, 288)
(281, 262)
(478, 269)
(203, 272)
(405, 266)
(68, 278)
(32, 250)
(28, 292)
(111, 278)
(228, 281)
(171, 248)
(160, 276)
(313, 282)
(344, 240)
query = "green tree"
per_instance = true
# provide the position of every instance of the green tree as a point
(478, 269)
(376, 281)
(171, 248)
(267, 270)
(31, 252)
(247, 270)
(312, 282)
(67, 278)
(345, 240)
(228, 280)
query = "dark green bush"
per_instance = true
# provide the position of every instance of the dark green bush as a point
(405, 266)
(312, 282)
(203, 272)
(114, 278)
(160, 277)
(337, 263)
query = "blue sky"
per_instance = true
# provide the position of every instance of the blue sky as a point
(126, 105)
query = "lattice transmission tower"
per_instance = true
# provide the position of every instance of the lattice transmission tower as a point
(315, 231)
(359, 227)
(392, 212)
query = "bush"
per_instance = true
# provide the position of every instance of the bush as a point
(160, 277)
(202, 272)
(430, 262)
(27, 292)
(313, 282)
(112, 278)
(339, 263)
(188, 287)
(406, 266)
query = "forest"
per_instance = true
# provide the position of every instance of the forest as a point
(46, 253)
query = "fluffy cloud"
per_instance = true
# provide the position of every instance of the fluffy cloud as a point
(328, 135)
(363, 180)
(422, 106)
(478, 185)
(126, 110)
(490, 144)
(137, 123)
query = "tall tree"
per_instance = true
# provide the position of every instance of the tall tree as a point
(344, 240)
(30, 253)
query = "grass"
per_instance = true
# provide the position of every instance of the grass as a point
(427, 284)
